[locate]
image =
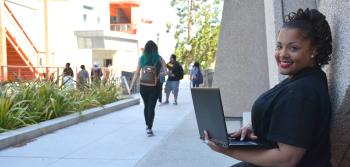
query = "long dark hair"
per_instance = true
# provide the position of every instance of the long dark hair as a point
(150, 55)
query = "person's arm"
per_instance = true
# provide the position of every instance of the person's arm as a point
(283, 156)
(87, 77)
(136, 75)
(164, 66)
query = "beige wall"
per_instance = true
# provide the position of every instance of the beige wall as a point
(241, 72)
(338, 15)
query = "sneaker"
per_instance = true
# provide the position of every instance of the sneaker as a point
(175, 103)
(166, 102)
(149, 132)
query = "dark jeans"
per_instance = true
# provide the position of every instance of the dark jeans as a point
(160, 92)
(195, 85)
(149, 96)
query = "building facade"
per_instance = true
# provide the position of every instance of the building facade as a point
(89, 32)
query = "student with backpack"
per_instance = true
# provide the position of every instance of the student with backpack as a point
(149, 66)
(196, 75)
(176, 73)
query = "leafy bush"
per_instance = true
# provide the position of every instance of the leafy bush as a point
(26, 103)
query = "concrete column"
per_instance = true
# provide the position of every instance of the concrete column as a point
(3, 48)
(241, 70)
(273, 19)
(288, 6)
(338, 13)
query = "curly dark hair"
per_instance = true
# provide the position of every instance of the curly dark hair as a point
(315, 27)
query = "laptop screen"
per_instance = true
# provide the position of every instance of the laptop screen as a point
(209, 113)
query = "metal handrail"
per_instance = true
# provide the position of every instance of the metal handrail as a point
(56, 71)
(19, 25)
(20, 40)
(122, 27)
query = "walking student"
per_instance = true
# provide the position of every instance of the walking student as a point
(83, 78)
(175, 75)
(196, 75)
(150, 63)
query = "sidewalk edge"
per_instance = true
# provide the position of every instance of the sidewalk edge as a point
(20, 135)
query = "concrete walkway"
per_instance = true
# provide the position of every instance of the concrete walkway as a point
(119, 139)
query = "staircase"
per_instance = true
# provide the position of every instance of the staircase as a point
(21, 52)
(17, 68)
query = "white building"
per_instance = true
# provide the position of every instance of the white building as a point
(79, 32)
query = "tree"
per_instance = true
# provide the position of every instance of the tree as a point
(204, 18)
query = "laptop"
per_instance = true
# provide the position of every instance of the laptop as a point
(210, 117)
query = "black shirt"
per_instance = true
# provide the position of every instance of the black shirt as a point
(68, 72)
(297, 112)
(174, 68)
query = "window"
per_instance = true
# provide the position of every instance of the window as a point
(84, 43)
(108, 62)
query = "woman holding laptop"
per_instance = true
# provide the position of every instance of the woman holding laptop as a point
(296, 113)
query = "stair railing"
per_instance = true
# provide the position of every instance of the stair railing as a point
(20, 40)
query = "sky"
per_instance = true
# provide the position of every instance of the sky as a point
(160, 12)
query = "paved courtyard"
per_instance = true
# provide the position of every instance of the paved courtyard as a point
(119, 140)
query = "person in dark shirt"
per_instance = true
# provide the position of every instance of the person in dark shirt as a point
(68, 75)
(68, 71)
(173, 81)
(295, 114)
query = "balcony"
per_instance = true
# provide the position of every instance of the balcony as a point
(132, 3)
(127, 28)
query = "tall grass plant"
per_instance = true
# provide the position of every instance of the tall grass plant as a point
(26, 103)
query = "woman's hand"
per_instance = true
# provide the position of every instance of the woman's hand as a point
(212, 145)
(242, 133)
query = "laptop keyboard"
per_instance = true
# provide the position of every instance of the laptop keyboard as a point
(244, 142)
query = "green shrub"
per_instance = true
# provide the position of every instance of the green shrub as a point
(26, 103)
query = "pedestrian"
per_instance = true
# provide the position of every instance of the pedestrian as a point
(108, 73)
(96, 74)
(294, 115)
(68, 75)
(83, 78)
(174, 77)
(150, 63)
(68, 71)
(196, 75)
